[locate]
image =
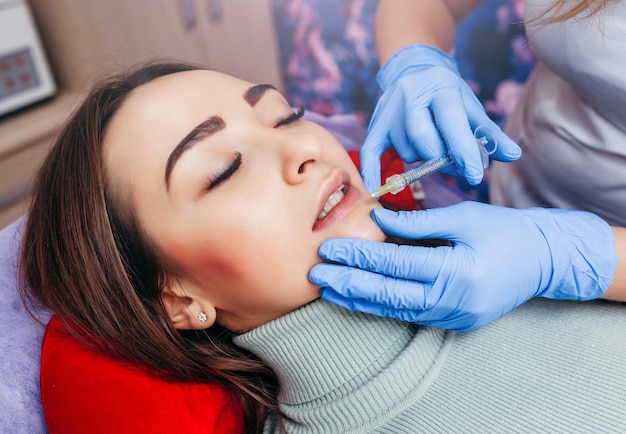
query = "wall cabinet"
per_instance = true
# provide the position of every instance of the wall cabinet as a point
(85, 39)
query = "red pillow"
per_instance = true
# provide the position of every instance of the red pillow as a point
(85, 392)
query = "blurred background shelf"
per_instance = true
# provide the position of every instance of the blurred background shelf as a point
(25, 139)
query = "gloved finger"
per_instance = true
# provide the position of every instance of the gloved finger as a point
(402, 143)
(328, 294)
(423, 136)
(454, 320)
(451, 118)
(448, 223)
(356, 305)
(331, 296)
(506, 149)
(376, 142)
(415, 263)
(374, 288)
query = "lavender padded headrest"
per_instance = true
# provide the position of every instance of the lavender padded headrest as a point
(20, 345)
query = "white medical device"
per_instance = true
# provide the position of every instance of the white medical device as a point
(25, 76)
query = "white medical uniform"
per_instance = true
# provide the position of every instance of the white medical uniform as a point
(571, 119)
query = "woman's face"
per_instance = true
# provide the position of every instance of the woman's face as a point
(230, 185)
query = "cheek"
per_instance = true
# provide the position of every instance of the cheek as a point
(338, 156)
(259, 278)
(262, 244)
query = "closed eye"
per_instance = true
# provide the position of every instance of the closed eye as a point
(225, 175)
(290, 118)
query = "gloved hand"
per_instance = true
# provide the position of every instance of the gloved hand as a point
(500, 258)
(424, 99)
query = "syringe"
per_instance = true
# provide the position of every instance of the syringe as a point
(396, 183)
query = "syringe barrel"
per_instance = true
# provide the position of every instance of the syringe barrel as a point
(431, 166)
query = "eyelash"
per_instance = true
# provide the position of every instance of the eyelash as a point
(230, 171)
(290, 118)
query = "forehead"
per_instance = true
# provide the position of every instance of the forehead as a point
(176, 99)
(158, 114)
(168, 107)
(210, 88)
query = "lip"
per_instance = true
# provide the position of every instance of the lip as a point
(351, 198)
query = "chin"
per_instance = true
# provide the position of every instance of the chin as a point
(364, 231)
(374, 234)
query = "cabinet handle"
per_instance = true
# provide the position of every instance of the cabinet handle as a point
(188, 13)
(216, 10)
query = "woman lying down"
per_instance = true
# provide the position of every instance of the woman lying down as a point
(174, 225)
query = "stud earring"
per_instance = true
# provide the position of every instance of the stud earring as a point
(202, 317)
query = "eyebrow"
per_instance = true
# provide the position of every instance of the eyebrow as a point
(200, 132)
(255, 93)
(209, 127)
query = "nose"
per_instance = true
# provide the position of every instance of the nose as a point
(300, 153)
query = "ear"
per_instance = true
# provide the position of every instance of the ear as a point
(185, 311)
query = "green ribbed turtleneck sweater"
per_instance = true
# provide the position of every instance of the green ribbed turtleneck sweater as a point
(546, 367)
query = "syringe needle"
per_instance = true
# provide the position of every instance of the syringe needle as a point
(396, 183)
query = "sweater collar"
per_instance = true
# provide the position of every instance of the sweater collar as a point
(321, 348)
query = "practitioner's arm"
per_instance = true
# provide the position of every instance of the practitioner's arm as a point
(400, 23)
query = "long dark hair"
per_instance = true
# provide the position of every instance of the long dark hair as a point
(84, 258)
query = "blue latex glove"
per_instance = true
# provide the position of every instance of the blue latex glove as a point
(424, 99)
(500, 258)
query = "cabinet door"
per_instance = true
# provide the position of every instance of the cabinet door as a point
(85, 38)
(243, 41)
